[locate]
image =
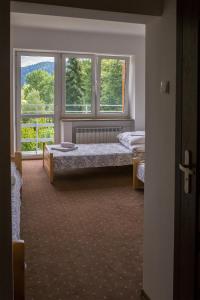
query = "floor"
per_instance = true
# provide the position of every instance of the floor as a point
(83, 235)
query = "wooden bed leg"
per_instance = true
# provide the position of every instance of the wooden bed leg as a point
(135, 162)
(51, 171)
(137, 184)
(19, 269)
(17, 159)
(48, 163)
(43, 153)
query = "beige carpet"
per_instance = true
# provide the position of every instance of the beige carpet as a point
(83, 235)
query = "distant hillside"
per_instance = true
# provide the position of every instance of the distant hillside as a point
(46, 66)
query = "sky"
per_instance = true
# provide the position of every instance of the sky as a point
(31, 60)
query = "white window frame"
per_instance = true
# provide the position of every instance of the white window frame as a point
(78, 115)
(96, 77)
(98, 84)
(60, 93)
(17, 97)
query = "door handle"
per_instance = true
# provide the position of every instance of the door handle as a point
(188, 171)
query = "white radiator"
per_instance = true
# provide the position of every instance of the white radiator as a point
(98, 134)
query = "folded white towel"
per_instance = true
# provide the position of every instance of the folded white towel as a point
(67, 145)
(60, 148)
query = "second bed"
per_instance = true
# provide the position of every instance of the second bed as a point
(86, 156)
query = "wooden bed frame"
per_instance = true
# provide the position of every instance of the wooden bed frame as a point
(19, 270)
(18, 249)
(48, 166)
(137, 183)
(17, 159)
(48, 163)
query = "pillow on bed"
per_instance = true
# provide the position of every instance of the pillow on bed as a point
(130, 138)
(123, 135)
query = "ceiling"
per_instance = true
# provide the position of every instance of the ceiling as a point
(146, 7)
(75, 24)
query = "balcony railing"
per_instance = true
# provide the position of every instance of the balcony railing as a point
(33, 144)
(86, 108)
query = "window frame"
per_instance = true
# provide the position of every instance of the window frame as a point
(78, 115)
(126, 91)
(96, 77)
(17, 96)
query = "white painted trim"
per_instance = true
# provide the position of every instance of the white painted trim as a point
(54, 10)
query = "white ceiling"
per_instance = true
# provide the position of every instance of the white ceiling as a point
(75, 24)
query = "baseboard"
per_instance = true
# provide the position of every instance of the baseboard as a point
(144, 295)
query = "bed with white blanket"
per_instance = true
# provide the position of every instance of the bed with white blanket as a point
(18, 244)
(55, 161)
(16, 185)
(138, 173)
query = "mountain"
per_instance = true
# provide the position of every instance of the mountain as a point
(46, 66)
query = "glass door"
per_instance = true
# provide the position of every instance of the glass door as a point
(36, 102)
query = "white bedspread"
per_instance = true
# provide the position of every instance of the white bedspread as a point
(141, 171)
(16, 201)
(92, 156)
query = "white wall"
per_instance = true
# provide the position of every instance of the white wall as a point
(160, 156)
(33, 38)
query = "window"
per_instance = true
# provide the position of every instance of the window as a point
(78, 85)
(95, 86)
(35, 105)
(112, 85)
(54, 86)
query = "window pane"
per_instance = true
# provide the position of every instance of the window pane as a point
(34, 132)
(37, 98)
(78, 83)
(112, 85)
(37, 85)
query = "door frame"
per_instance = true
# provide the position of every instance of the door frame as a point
(5, 208)
(186, 241)
(6, 277)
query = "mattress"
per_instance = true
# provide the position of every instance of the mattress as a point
(16, 184)
(141, 171)
(91, 156)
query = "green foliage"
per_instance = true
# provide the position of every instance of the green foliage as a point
(78, 84)
(28, 133)
(37, 97)
(74, 90)
(32, 103)
(31, 132)
(41, 81)
(86, 75)
(111, 84)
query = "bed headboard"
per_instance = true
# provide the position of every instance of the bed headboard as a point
(17, 159)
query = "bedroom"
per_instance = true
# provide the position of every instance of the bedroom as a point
(28, 36)
(50, 42)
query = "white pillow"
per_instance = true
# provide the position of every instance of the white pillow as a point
(132, 138)
(131, 133)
